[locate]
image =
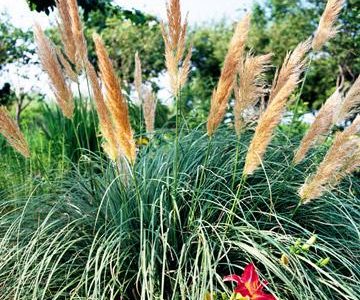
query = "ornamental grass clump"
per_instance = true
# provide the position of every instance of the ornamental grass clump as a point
(187, 217)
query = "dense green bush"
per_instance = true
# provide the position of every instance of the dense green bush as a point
(100, 234)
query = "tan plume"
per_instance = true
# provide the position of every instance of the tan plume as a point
(251, 86)
(51, 66)
(110, 145)
(138, 78)
(174, 35)
(292, 67)
(221, 94)
(12, 133)
(78, 33)
(284, 84)
(71, 74)
(149, 111)
(65, 29)
(116, 102)
(351, 103)
(326, 29)
(342, 159)
(320, 127)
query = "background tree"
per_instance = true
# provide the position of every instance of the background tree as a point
(87, 5)
(279, 26)
(16, 49)
(15, 43)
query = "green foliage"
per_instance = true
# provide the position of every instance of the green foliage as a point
(145, 38)
(209, 49)
(15, 44)
(6, 94)
(87, 5)
(98, 234)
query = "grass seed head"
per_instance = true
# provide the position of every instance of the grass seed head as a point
(320, 127)
(12, 133)
(326, 29)
(174, 35)
(351, 104)
(116, 102)
(284, 84)
(342, 159)
(78, 33)
(52, 67)
(251, 86)
(110, 145)
(65, 29)
(221, 94)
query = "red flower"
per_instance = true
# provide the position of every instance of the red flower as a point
(249, 285)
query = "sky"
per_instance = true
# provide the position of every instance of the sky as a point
(200, 12)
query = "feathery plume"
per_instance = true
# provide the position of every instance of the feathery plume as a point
(52, 67)
(65, 29)
(221, 94)
(326, 29)
(291, 69)
(251, 86)
(320, 127)
(342, 159)
(110, 145)
(284, 84)
(12, 133)
(71, 74)
(78, 32)
(149, 111)
(351, 104)
(175, 46)
(116, 102)
(138, 77)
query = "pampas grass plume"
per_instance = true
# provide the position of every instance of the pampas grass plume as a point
(351, 104)
(149, 111)
(12, 133)
(78, 32)
(342, 159)
(284, 85)
(326, 29)
(221, 94)
(174, 35)
(320, 127)
(110, 145)
(251, 86)
(138, 77)
(116, 102)
(51, 66)
(66, 31)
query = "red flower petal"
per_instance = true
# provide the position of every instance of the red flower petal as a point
(234, 278)
(251, 279)
(242, 290)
